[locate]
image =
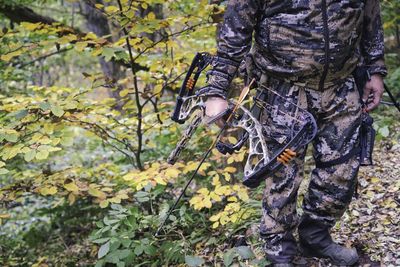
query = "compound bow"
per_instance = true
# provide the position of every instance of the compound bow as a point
(260, 162)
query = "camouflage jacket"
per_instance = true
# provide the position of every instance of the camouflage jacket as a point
(313, 43)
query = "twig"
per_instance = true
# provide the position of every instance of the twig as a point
(42, 57)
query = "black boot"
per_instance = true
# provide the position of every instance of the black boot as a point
(315, 241)
(287, 250)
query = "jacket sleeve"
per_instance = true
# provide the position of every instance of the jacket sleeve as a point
(234, 41)
(372, 42)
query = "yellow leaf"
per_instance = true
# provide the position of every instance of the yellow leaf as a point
(215, 197)
(224, 219)
(111, 9)
(71, 187)
(124, 92)
(227, 177)
(230, 169)
(203, 191)
(104, 204)
(195, 200)
(215, 225)
(242, 194)
(97, 193)
(191, 166)
(9, 56)
(232, 140)
(215, 217)
(5, 216)
(151, 16)
(97, 51)
(71, 198)
(222, 190)
(160, 180)
(30, 26)
(232, 199)
(215, 181)
(80, 46)
(234, 217)
(374, 180)
(172, 173)
(207, 202)
(129, 176)
(90, 36)
(67, 39)
(115, 199)
(48, 190)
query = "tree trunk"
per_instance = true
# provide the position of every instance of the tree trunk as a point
(97, 22)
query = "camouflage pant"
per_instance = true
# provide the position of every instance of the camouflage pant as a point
(337, 111)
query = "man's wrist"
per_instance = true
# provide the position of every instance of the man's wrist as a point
(377, 68)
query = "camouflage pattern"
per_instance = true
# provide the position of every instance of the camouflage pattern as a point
(308, 49)
(312, 43)
(337, 111)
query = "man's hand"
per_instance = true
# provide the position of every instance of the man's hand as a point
(214, 107)
(373, 91)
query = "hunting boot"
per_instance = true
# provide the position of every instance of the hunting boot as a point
(285, 251)
(315, 241)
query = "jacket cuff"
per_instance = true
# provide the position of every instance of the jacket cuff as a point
(212, 91)
(222, 73)
(377, 67)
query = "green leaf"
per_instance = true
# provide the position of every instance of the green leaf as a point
(228, 257)
(245, 252)
(384, 131)
(44, 106)
(194, 261)
(11, 137)
(101, 240)
(108, 53)
(3, 171)
(67, 141)
(103, 250)
(57, 110)
(150, 250)
(20, 114)
(138, 250)
(30, 155)
(43, 154)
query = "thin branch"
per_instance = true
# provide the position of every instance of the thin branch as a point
(22, 65)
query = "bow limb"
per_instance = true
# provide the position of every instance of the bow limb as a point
(190, 130)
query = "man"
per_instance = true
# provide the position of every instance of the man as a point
(306, 50)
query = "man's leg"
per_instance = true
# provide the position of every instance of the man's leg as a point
(279, 213)
(331, 187)
(279, 203)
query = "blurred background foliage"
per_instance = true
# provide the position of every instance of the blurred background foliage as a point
(87, 88)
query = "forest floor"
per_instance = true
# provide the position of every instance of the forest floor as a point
(372, 223)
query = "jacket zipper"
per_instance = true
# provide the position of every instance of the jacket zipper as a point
(326, 40)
